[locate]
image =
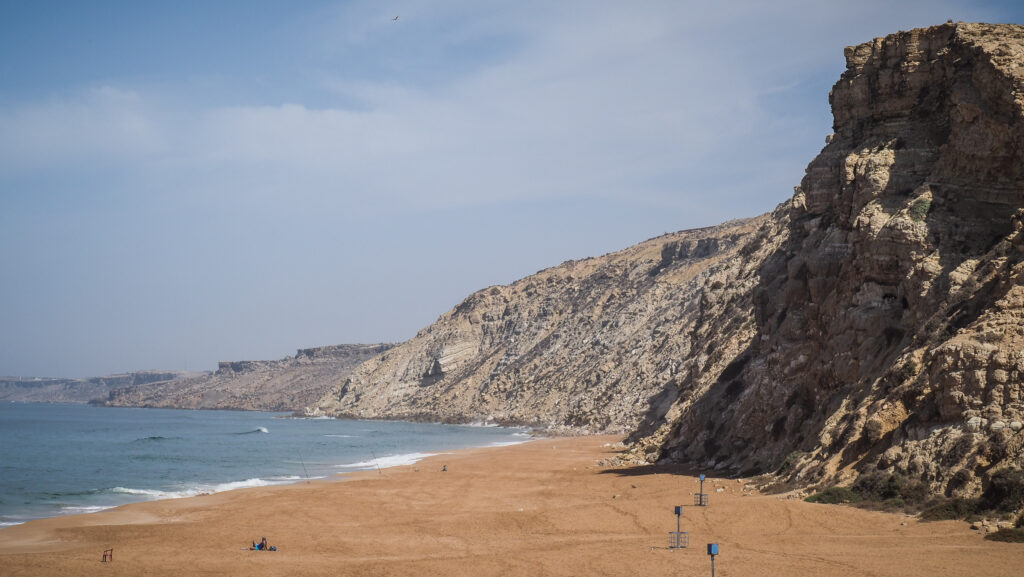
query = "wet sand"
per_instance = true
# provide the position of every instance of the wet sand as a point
(541, 508)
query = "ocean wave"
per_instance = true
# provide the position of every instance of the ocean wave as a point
(389, 461)
(256, 430)
(83, 509)
(508, 443)
(343, 436)
(157, 438)
(205, 488)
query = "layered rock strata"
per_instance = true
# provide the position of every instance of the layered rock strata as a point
(596, 345)
(48, 390)
(873, 322)
(289, 384)
(889, 323)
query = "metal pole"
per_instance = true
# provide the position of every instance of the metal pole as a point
(712, 566)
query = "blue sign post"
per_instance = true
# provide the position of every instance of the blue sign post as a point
(712, 551)
(701, 498)
(679, 539)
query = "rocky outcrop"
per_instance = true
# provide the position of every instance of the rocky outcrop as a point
(602, 344)
(873, 322)
(45, 390)
(289, 384)
(889, 323)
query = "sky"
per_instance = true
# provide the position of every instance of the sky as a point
(188, 182)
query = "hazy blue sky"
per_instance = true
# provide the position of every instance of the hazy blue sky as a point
(203, 181)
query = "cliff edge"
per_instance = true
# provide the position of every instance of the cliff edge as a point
(889, 325)
(871, 323)
(290, 384)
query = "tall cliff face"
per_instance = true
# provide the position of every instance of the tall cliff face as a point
(874, 321)
(602, 344)
(289, 384)
(889, 323)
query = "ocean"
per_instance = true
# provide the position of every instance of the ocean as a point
(61, 459)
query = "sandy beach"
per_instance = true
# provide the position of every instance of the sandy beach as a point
(541, 508)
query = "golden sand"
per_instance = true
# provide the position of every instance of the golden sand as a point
(541, 508)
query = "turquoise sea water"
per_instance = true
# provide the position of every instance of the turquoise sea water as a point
(68, 459)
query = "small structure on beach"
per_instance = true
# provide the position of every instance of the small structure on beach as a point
(713, 552)
(701, 498)
(678, 539)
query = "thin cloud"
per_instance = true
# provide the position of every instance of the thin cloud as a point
(373, 172)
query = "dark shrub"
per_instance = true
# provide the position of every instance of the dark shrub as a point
(890, 488)
(954, 509)
(1004, 491)
(834, 496)
(1007, 536)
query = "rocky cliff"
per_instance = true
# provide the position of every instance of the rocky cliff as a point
(289, 384)
(44, 390)
(597, 345)
(889, 322)
(874, 321)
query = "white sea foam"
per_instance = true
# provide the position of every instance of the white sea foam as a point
(82, 509)
(342, 436)
(389, 461)
(205, 489)
(508, 443)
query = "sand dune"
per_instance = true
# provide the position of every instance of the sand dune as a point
(542, 508)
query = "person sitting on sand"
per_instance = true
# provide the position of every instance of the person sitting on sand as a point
(263, 544)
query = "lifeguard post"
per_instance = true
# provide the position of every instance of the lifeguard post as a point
(701, 499)
(678, 539)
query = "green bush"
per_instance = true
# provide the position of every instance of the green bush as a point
(919, 209)
(789, 462)
(1007, 536)
(890, 489)
(954, 509)
(834, 496)
(1004, 491)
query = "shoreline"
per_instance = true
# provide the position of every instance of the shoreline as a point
(96, 461)
(543, 507)
(381, 463)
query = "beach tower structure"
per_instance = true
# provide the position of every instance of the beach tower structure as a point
(678, 539)
(712, 551)
(701, 498)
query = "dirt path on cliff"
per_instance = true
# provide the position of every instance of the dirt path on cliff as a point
(542, 508)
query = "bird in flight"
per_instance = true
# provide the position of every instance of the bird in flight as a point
(394, 19)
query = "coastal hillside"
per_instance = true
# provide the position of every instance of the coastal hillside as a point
(48, 390)
(288, 384)
(605, 344)
(872, 322)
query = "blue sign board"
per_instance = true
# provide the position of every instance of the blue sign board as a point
(712, 549)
